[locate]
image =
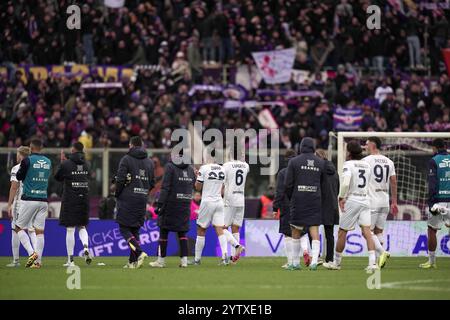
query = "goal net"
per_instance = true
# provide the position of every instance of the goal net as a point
(410, 152)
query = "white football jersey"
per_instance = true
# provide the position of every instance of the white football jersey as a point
(359, 173)
(18, 196)
(212, 176)
(235, 177)
(382, 170)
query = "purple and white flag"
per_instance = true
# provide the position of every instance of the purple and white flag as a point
(275, 66)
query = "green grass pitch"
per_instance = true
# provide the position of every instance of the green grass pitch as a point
(251, 278)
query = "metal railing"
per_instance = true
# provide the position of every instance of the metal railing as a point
(104, 163)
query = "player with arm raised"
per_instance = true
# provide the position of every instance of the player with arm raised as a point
(382, 180)
(355, 205)
(234, 198)
(210, 180)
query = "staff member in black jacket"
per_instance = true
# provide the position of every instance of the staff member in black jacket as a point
(330, 207)
(74, 173)
(281, 203)
(304, 178)
(134, 180)
(174, 208)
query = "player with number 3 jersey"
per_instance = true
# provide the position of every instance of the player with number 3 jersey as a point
(355, 205)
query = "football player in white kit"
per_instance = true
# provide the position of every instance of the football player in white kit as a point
(210, 179)
(382, 180)
(235, 176)
(15, 193)
(355, 205)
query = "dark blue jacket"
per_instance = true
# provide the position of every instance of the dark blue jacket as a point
(132, 192)
(74, 173)
(303, 185)
(175, 197)
(330, 193)
(281, 202)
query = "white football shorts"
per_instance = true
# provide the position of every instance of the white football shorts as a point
(211, 212)
(234, 216)
(354, 213)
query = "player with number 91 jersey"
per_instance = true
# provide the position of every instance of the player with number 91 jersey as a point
(212, 177)
(382, 170)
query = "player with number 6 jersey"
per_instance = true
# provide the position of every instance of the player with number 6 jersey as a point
(234, 196)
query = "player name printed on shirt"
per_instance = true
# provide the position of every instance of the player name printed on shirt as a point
(235, 178)
(359, 172)
(382, 169)
(212, 176)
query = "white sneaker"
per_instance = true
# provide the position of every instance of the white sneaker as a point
(13, 264)
(371, 269)
(331, 266)
(141, 259)
(183, 262)
(69, 264)
(157, 264)
(285, 266)
(130, 265)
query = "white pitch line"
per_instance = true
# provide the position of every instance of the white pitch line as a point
(410, 285)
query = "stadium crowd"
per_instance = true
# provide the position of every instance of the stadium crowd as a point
(190, 37)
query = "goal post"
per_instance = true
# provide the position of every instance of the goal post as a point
(410, 152)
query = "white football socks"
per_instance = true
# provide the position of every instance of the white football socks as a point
(229, 237)
(32, 235)
(296, 252)
(82, 233)
(337, 258)
(372, 258)
(25, 241)
(432, 256)
(315, 251)
(288, 248)
(39, 246)
(378, 246)
(223, 245)
(15, 243)
(199, 245)
(304, 243)
(380, 238)
(70, 242)
(233, 249)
